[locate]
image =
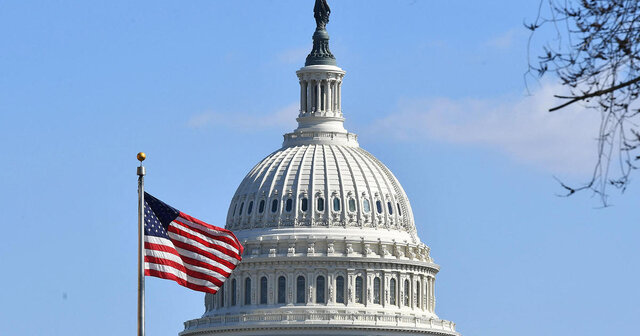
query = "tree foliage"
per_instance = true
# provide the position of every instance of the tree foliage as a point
(596, 56)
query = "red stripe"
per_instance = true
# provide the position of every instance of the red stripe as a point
(188, 260)
(206, 265)
(180, 267)
(196, 250)
(174, 227)
(182, 282)
(215, 228)
(220, 237)
(160, 247)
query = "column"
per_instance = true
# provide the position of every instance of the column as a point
(303, 96)
(326, 95)
(433, 294)
(329, 96)
(339, 98)
(318, 95)
(311, 285)
(308, 99)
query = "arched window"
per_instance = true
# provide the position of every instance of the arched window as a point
(241, 207)
(359, 290)
(376, 290)
(263, 290)
(301, 287)
(406, 293)
(234, 209)
(340, 289)
(289, 205)
(320, 205)
(247, 291)
(261, 206)
(233, 292)
(366, 206)
(221, 294)
(418, 294)
(336, 204)
(379, 207)
(399, 209)
(274, 206)
(320, 289)
(392, 292)
(304, 204)
(352, 205)
(282, 289)
(390, 207)
(250, 208)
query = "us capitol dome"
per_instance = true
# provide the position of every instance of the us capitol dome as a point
(331, 246)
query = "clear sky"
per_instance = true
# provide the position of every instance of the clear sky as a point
(434, 89)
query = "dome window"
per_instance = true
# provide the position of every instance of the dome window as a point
(247, 291)
(320, 289)
(376, 290)
(233, 292)
(352, 205)
(340, 289)
(406, 293)
(390, 207)
(366, 205)
(320, 205)
(399, 209)
(234, 209)
(289, 205)
(336, 204)
(250, 207)
(221, 294)
(392, 292)
(263, 290)
(359, 290)
(301, 289)
(304, 204)
(241, 206)
(282, 287)
(274, 205)
(418, 294)
(379, 206)
(261, 206)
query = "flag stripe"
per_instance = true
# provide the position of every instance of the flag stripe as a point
(169, 253)
(212, 228)
(186, 232)
(170, 276)
(195, 228)
(187, 270)
(185, 246)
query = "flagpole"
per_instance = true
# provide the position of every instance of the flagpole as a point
(141, 172)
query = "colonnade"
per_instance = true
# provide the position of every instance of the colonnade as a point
(320, 95)
(360, 288)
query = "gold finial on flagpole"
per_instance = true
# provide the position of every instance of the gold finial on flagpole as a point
(141, 156)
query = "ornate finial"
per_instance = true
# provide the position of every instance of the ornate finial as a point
(141, 156)
(320, 54)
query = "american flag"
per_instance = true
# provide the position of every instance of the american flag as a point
(187, 250)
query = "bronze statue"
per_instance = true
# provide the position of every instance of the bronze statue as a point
(321, 12)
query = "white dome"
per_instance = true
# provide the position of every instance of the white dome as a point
(330, 242)
(322, 186)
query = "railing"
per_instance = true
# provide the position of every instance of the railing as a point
(350, 318)
(294, 137)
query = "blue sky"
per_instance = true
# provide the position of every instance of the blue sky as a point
(207, 88)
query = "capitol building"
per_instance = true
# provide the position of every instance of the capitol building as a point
(331, 246)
